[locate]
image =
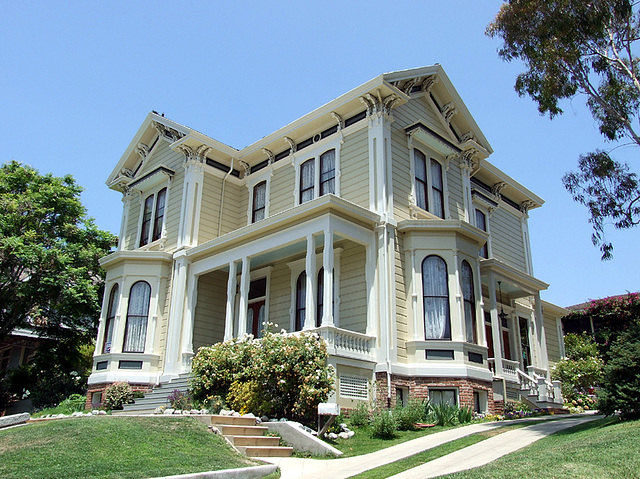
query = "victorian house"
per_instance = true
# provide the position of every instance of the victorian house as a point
(376, 220)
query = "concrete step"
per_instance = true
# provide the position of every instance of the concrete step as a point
(271, 441)
(257, 451)
(243, 430)
(217, 420)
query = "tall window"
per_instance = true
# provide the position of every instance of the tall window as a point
(481, 223)
(154, 206)
(307, 180)
(301, 301)
(420, 161)
(135, 333)
(259, 201)
(437, 190)
(469, 297)
(320, 299)
(112, 309)
(328, 172)
(435, 293)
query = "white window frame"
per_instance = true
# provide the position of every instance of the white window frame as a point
(314, 153)
(429, 155)
(487, 217)
(143, 196)
(253, 276)
(445, 388)
(252, 182)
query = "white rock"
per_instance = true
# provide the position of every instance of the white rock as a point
(102, 413)
(185, 412)
(332, 435)
(168, 411)
(194, 412)
(351, 433)
(76, 414)
(249, 415)
(344, 435)
(177, 411)
(204, 411)
(225, 412)
(95, 412)
(235, 414)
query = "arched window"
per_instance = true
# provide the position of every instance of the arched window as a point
(259, 201)
(420, 166)
(159, 216)
(469, 297)
(301, 301)
(112, 309)
(328, 172)
(437, 189)
(435, 293)
(135, 333)
(307, 180)
(481, 223)
(146, 220)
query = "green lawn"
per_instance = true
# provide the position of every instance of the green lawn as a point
(604, 448)
(113, 447)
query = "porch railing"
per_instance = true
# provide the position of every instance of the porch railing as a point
(509, 368)
(539, 386)
(341, 342)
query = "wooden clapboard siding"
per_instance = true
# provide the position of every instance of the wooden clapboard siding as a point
(455, 190)
(133, 224)
(280, 296)
(210, 207)
(354, 168)
(506, 237)
(210, 311)
(420, 110)
(401, 174)
(234, 211)
(281, 190)
(553, 339)
(402, 323)
(173, 208)
(353, 288)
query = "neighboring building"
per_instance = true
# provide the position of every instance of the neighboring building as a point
(385, 193)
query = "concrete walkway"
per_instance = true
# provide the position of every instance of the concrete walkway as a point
(467, 458)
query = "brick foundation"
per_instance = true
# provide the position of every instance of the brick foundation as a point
(100, 388)
(418, 388)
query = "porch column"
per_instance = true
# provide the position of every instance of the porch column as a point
(186, 346)
(541, 338)
(496, 327)
(244, 296)
(172, 366)
(312, 280)
(370, 279)
(327, 263)
(461, 336)
(231, 302)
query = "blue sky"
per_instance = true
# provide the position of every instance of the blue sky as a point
(78, 79)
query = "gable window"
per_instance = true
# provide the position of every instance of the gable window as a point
(428, 184)
(154, 207)
(259, 201)
(318, 176)
(435, 293)
(112, 308)
(301, 301)
(468, 295)
(135, 333)
(481, 223)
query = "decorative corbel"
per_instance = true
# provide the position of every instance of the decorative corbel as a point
(449, 158)
(269, 154)
(201, 153)
(428, 83)
(187, 151)
(126, 172)
(292, 145)
(338, 119)
(168, 133)
(467, 136)
(142, 150)
(469, 161)
(497, 189)
(408, 86)
(448, 111)
(247, 168)
(526, 205)
(389, 103)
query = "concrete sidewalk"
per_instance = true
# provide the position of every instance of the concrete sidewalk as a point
(473, 456)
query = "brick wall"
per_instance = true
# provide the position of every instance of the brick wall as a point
(418, 388)
(100, 388)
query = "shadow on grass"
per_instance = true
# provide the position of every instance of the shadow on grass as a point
(595, 424)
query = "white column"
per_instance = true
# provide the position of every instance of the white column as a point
(541, 338)
(311, 286)
(186, 345)
(191, 200)
(244, 296)
(370, 279)
(172, 364)
(458, 294)
(418, 328)
(496, 327)
(231, 302)
(327, 263)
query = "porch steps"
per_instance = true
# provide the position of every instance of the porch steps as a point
(158, 397)
(247, 437)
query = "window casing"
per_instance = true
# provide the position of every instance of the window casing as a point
(112, 309)
(428, 184)
(135, 333)
(153, 214)
(481, 223)
(317, 176)
(435, 293)
(301, 301)
(443, 396)
(258, 211)
(468, 295)
(307, 180)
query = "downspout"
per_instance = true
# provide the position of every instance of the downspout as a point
(224, 180)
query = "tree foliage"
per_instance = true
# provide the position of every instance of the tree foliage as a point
(574, 47)
(50, 279)
(581, 369)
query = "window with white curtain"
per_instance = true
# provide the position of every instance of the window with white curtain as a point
(420, 167)
(469, 297)
(159, 216)
(307, 180)
(428, 184)
(135, 333)
(259, 201)
(112, 309)
(481, 223)
(328, 172)
(437, 189)
(153, 215)
(311, 187)
(435, 293)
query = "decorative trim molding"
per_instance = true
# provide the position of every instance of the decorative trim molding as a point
(168, 133)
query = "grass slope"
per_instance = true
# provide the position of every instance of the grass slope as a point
(604, 448)
(113, 447)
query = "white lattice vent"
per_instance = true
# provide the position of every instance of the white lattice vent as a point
(354, 387)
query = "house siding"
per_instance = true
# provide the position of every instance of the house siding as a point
(507, 243)
(282, 187)
(402, 321)
(354, 178)
(210, 209)
(280, 297)
(352, 288)
(210, 311)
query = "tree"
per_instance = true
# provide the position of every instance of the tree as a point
(581, 369)
(50, 279)
(571, 47)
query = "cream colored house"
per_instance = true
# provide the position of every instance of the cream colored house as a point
(387, 194)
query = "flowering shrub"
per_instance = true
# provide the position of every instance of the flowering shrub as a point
(581, 370)
(248, 396)
(179, 400)
(117, 394)
(289, 372)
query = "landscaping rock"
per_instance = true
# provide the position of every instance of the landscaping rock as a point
(332, 435)
(194, 412)
(14, 419)
(102, 413)
(204, 411)
(185, 412)
(168, 411)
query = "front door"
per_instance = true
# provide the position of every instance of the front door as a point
(255, 318)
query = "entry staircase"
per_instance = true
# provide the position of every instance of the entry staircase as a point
(539, 391)
(158, 397)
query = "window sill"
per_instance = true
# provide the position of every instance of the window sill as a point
(419, 213)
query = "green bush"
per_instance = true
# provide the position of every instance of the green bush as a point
(117, 395)
(290, 372)
(361, 415)
(383, 425)
(407, 416)
(621, 382)
(465, 414)
(581, 370)
(444, 414)
(74, 403)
